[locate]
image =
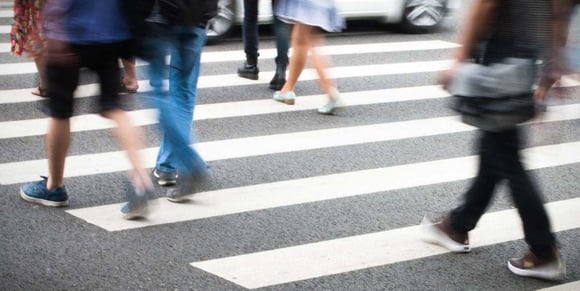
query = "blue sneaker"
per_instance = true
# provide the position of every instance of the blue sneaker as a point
(137, 205)
(36, 192)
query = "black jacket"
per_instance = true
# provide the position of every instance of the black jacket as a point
(175, 12)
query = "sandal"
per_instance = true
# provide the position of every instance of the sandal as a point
(41, 92)
(124, 89)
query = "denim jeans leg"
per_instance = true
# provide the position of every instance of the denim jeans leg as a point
(187, 44)
(250, 29)
(282, 35)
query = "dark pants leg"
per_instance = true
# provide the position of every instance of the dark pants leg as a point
(500, 159)
(282, 34)
(250, 30)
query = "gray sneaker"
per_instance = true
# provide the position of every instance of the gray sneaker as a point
(186, 186)
(548, 267)
(137, 205)
(164, 178)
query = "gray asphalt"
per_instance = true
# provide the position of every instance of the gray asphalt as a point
(48, 249)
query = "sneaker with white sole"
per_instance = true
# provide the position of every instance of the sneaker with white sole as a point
(186, 186)
(441, 233)
(548, 267)
(37, 193)
(164, 178)
(137, 205)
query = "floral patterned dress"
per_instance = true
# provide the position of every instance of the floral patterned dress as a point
(26, 35)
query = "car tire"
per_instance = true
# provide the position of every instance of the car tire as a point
(422, 16)
(223, 23)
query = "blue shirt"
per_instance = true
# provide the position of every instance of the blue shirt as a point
(85, 21)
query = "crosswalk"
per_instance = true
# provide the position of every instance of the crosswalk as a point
(307, 161)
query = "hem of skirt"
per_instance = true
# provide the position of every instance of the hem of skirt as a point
(293, 20)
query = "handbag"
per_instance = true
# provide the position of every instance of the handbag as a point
(495, 97)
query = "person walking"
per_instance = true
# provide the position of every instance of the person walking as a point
(249, 69)
(508, 29)
(78, 37)
(308, 18)
(27, 36)
(161, 29)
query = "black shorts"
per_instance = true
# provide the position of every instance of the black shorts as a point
(63, 69)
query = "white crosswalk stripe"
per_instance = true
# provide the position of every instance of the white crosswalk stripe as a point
(313, 259)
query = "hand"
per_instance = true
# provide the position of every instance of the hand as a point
(447, 76)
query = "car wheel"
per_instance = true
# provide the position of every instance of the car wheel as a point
(221, 25)
(422, 16)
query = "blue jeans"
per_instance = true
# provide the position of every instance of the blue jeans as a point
(250, 33)
(184, 44)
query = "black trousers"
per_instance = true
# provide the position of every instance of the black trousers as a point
(499, 160)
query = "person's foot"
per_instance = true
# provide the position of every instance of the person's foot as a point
(186, 186)
(548, 266)
(39, 91)
(279, 78)
(287, 97)
(442, 233)
(137, 205)
(333, 103)
(129, 87)
(36, 192)
(248, 71)
(164, 178)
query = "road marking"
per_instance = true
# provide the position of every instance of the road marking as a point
(572, 286)
(220, 81)
(359, 252)
(5, 29)
(319, 188)
(6, 13)
(108, 162)
(32, 127)
(5, 47)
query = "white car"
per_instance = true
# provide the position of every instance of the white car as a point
(413, 15)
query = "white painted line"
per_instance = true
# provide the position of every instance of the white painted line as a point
(5, 29)
(32, 127)
(320, 188)
(572, 286)
(217, 81)
(108, 162)
(6, 13)
(238, 55)
(353, 253)
(4, 47)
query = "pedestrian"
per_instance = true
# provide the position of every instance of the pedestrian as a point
(129, 82)
(508, 29)
(78, 37)
(249, 69)
(182, 33)
(27, 36)
(308, 18)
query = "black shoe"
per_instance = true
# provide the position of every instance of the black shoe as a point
(279, 78)
(164, 178)
(186, 186)
(248, 71)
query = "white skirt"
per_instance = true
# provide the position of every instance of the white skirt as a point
(319, 13)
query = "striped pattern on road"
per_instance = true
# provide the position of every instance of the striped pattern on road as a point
(370, 250)
(572, 286)
(18, 172)
(293, 192)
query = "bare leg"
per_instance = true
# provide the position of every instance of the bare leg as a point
(321, 63)
(129, 138)
(57, 144)
(39, 61)
(130, 76)
(300, 45)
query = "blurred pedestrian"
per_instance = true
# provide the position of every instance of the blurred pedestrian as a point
(27, 36)
(129, 81)
(308, 18)
(508, 29)
(161, 29)
(250, 34)
(78, 37)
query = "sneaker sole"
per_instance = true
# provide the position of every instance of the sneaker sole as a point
(552, 275)
(141, 213)
(166, 182)
(248, 76)
(286, 101)
(434, 236)
(180, 199)
(42, 201)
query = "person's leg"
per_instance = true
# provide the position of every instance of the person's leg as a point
(57, 145)
(184, 70)
(464, 218)
(282, 35)
(301, 43)
(130, 82)
(249, 69)
(41, 69)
